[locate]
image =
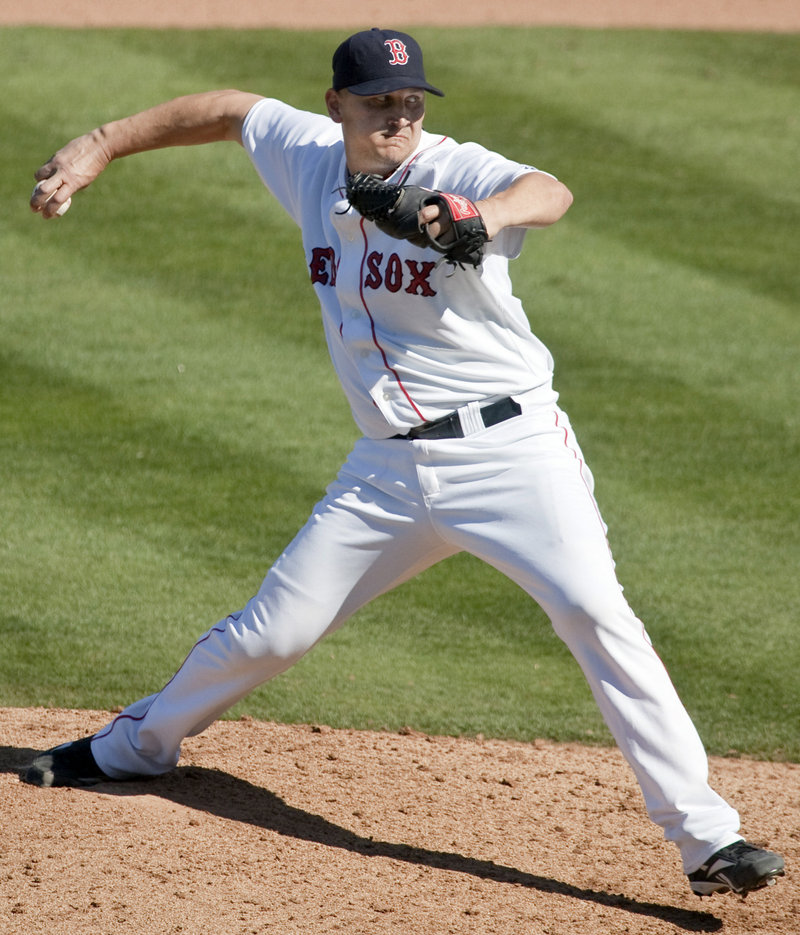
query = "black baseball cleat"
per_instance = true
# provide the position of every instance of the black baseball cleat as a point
(739, 867)
(70, 764)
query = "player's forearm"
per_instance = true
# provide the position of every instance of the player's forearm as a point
(185, 121)
(533, 200)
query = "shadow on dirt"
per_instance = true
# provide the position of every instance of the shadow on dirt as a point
(226, 796)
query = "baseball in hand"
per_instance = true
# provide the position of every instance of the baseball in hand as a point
(63, 209)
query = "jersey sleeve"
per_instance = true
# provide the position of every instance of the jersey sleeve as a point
(285, 146)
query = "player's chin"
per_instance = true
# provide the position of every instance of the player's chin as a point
(391, 156)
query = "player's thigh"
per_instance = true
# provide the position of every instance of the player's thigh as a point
(367, 535)
(535, 518)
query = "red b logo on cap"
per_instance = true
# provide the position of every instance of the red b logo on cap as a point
(398, 50)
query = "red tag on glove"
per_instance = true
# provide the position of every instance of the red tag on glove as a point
(460, 207)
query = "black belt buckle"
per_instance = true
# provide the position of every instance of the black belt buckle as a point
(449, 426)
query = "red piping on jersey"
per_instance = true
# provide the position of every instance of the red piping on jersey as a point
(377, 344)
(413, 159)
(375, 340)
(391, 370)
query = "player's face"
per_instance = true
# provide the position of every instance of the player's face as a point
(380, 132)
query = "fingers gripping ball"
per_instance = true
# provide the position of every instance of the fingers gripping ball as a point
(395, 210)
(62, 208)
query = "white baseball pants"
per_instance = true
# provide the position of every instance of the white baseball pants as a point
(517, 495)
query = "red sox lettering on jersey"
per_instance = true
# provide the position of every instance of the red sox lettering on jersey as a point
(393, 273)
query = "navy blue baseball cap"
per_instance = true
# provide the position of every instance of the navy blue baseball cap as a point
(377, 61)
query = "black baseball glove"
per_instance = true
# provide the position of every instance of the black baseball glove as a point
(395, 209)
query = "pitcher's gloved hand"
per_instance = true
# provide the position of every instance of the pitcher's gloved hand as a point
(395, 210)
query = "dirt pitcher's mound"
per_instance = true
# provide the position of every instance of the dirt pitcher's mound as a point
(272, 828)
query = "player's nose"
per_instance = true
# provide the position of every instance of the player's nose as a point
(399, 119)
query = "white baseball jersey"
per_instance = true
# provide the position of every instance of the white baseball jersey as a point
(412, 338)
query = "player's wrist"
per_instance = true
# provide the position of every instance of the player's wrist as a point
(492, 218)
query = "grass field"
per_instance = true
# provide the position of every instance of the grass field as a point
(168, 414)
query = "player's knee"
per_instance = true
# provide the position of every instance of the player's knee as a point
(596, 610)
(255, 636)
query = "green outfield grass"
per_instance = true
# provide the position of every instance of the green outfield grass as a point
(168, 415)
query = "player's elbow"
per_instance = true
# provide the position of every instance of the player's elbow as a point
(562, 200)
(552, 202)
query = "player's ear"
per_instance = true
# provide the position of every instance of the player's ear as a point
(333, 104)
